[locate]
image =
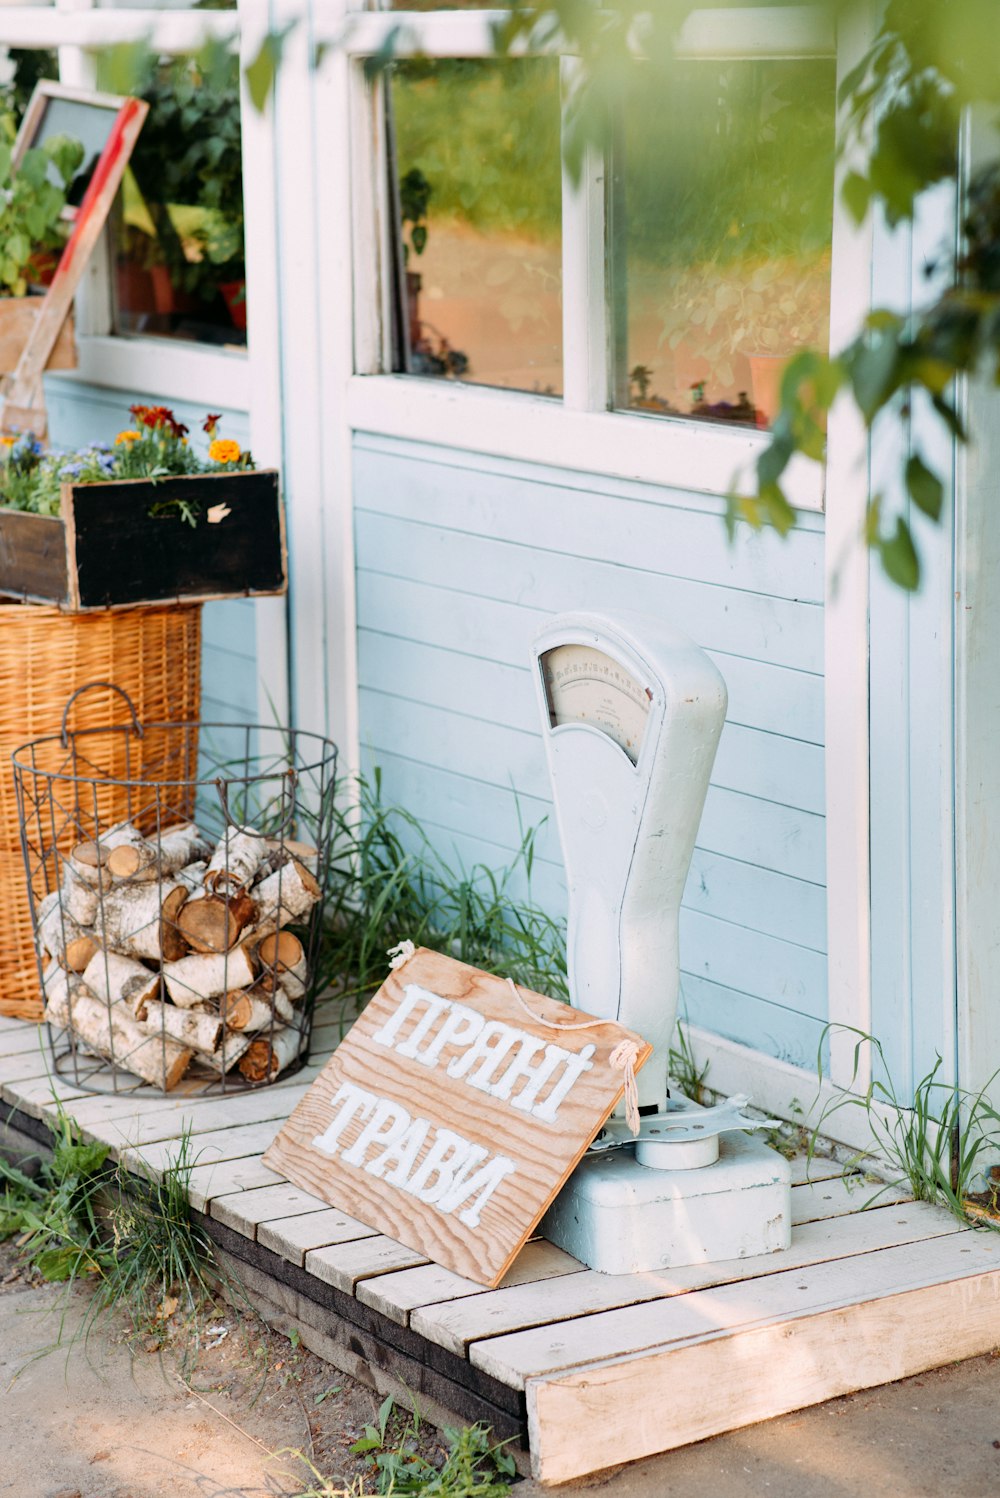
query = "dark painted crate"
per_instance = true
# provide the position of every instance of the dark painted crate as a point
(107, 550)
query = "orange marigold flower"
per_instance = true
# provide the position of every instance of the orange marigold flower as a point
(224, 450)
(8, 441)
(124, 437)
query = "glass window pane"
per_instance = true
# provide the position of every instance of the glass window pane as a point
(179, 266)
(478, 180)
(721, 221)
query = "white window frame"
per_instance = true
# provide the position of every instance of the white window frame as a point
(579, 431)
(184, 371)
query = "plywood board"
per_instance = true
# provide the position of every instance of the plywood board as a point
(453, 1111)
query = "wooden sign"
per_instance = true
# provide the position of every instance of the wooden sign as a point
(453, 1111)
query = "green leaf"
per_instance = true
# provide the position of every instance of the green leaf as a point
(857, 195)
(261, 73)
(924, 487)
(899, 557)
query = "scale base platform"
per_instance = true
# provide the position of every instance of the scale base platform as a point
(620, 1217)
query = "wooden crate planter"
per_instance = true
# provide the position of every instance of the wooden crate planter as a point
(122, 544)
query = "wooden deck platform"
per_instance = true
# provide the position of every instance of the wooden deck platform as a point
(587, 1370)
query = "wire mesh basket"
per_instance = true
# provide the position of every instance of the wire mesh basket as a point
(177, 946)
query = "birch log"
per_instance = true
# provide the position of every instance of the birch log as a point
(235, 862)
(193, 875)
(201, 1032)
(61, 936)
(256, 1008)
(231, 1050)
(111, 1031)
(212, 923)
(280, 850)
(286, 895)
(206, 975)
(113, 977)
(281, 953)
(148, 858)
(88, 862)
(266, 1057)
(132, 920)
(80, 897)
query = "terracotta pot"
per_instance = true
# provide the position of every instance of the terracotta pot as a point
(765, 383)
(234, 294)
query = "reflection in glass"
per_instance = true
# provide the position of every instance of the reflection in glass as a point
(721, 220)
(180, 270)
(478, 184)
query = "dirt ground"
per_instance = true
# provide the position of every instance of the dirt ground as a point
(237, 1422)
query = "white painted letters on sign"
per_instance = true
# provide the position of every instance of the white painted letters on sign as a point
(451, 1113)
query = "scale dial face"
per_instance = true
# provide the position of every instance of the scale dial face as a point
(585, 685)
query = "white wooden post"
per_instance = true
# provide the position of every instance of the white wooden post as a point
(846, 638)
(263, 343)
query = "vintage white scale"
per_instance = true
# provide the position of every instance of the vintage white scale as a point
(632, 712)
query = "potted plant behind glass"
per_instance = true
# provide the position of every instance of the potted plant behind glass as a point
(188, 168)
(31, 235)
(148, 519)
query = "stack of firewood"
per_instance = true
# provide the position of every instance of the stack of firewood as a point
(163, 952)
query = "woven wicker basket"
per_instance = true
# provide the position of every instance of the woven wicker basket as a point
(154, 655)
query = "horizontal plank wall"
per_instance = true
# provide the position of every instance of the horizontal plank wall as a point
(79, 414)
(460, 559)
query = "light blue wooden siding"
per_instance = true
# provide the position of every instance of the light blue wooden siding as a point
(460, 559)
(81, 413)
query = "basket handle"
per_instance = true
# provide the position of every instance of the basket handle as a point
(92, 687)
(222, 789)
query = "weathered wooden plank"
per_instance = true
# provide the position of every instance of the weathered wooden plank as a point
(633, 1408)
(774, 1029)
(819, 1200)
(765, 766)
(22, 1040)
(396, 1295)
(761, 695)
(32, 557)
(551, 1307)
(559, 512)
(243, 1210)
(221, 1144)
(728, 888)
(294, 1237)
(518, 575)
(145, 1125)
(344, 1264)
(225, 1177)
(737, 958)
(782, 1297)
(819, 1168)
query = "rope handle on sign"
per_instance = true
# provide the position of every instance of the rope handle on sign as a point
(400, 953)
(622, 1058)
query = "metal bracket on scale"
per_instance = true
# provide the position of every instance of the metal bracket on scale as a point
(684, 1137)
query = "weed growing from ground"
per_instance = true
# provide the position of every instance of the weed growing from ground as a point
(940, 1144)
(55, 1216)
(160, 1262)
(684, 1070)
(390, 882)
(472, 1467)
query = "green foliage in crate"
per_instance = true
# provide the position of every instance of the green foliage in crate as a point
(157, 446)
